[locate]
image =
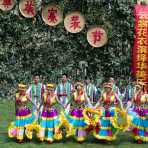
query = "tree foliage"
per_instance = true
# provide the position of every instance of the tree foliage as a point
(29, 44)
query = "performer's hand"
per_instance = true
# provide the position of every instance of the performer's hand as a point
(129, 104)
(38, 109)
(94, 108)
(57, 130)
(18, 101)
(38, 105)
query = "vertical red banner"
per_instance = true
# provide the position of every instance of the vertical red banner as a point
(140, 50)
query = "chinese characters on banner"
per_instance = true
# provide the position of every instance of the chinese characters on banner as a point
(140, 50)
(6, 5)
(97, 37)
(74, 22)
(52, 15)
(27, 8)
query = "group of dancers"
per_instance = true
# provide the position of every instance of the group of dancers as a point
(69, 110)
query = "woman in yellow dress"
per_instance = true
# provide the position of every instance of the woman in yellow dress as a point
(24, 115)
(105, 129)
(75, 119)
(139, 114)
(50, 120)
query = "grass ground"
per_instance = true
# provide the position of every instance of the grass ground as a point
(7, 115)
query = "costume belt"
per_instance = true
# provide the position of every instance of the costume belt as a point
(61, 95)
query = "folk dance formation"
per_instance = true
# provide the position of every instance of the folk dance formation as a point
(79, 109)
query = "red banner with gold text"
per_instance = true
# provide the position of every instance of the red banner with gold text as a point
(140, 50)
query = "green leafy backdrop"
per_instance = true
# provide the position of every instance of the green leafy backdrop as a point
(29, 44)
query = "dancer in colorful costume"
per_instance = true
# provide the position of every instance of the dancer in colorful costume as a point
(50, 120)
(139, 114)
(24, 116)
(77, 125)
(105, 128)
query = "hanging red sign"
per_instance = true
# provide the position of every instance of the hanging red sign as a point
(27, 8)
(140, 50)
(52, 15)
(6, 5)
(74, 22)
(97, 37)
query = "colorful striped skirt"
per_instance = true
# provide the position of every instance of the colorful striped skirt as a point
(49, 125)
(24, 117)
(77, 124)
(105, 129)
(139, 122)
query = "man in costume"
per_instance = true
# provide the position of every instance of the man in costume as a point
(64, 90)
(90, 89)
(114, 86)
(130, 88)
(36, 92)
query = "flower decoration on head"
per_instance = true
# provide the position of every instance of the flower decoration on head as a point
(50, 85)
(139, 84)
(21, 86)
(79, 83)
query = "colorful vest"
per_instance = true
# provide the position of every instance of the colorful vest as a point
(64, 89)
(36, 92)
(129, 92)
(23, 100)
(79, 98)
(109, 100)
(90, 89)
(49, 100)
(140, 99)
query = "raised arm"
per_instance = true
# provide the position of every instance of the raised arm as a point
(28, 92)
(99, 100)
(88, 101)
(118, 99)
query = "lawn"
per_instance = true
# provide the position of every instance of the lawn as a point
(7, 115)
